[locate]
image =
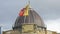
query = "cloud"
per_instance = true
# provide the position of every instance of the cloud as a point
(2, 25)
(54, 5)
(6, 26)
(49, 10)
(53, 25)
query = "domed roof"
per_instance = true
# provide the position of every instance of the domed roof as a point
(33, 17)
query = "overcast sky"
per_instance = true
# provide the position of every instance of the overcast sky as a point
(49, 10)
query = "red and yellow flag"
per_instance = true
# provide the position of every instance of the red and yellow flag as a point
(21, 12)
(24, 11)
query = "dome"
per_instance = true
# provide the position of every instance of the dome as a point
(33, 17)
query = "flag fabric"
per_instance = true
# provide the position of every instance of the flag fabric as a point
(21, 12)
(26, 10)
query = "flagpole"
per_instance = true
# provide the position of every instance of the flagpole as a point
(28, 10)
(24, 19)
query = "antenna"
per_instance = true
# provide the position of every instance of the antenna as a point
(27, 6)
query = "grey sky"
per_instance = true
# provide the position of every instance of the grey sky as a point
(49, 10)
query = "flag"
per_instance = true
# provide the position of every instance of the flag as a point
(21, 12)
(26, 10)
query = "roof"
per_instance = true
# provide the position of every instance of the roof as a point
(33, 17)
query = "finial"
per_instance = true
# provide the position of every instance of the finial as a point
(29, 2)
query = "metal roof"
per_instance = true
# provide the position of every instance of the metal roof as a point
(33, 17)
